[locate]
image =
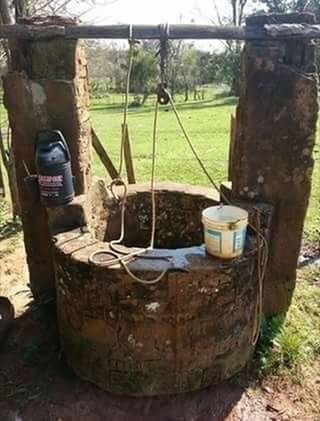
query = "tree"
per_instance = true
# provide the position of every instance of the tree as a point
(190, 70)
(26, 8)
(232, 48)
(284, 6)
(144, 72)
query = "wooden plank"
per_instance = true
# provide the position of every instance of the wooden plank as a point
(103, 155)
(128, 157)
(231, 146)
(191, 31)
(2, 185)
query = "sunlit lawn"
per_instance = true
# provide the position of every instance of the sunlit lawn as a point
(208, 123)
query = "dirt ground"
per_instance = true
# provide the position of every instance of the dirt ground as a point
(36, 384)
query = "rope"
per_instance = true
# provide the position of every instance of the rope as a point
(118, 256)
(193, 149)
(124, 259)
(263, 251)
(164, 52)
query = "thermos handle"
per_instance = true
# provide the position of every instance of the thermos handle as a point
(65, 145)
(62, 141)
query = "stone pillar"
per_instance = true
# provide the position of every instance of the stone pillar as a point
(47, 88)
(272, 152)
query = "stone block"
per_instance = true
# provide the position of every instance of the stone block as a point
(272, 158)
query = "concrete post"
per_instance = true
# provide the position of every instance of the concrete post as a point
(47, 88)
(272, 152)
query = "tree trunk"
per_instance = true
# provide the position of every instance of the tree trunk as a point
(2, 186)
(20, 9)
(235, 87)
(5, 13)
(186, 93)
(195, 93)
(145, 97)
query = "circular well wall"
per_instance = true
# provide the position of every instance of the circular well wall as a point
(192, 329)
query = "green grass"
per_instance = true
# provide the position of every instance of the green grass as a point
(291, 344)
(312, 225)
(208, 123)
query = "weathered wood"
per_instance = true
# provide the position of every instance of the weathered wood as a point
(231, 145)
(2, 185)
(103, 155)
(267, 32)
(128, 157)
(7, 159)
(3, 154)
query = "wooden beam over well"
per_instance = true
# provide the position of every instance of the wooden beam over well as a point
(266, 32)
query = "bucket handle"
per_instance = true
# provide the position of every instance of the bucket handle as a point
(232, 225)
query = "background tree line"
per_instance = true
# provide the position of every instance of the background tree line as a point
(188, 69)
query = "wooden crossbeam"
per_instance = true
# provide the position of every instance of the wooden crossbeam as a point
(266, 32)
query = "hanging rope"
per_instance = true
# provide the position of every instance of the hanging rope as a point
(118, 256)
(262, 243)
(164, 53)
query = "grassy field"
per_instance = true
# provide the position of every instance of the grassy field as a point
(208, 123)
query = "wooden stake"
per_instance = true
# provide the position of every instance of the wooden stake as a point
(103, 155)
(232, 142)
(128, 157)
(2, 186)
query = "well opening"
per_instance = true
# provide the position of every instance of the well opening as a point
(178, 217)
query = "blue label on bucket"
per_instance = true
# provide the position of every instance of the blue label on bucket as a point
(217, 240)
(238, 240)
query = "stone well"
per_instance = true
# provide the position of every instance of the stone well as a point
(192, 329)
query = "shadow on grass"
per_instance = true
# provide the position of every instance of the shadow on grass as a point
(195, 105)
(36, 382)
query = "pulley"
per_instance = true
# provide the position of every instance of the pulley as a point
(162, 94)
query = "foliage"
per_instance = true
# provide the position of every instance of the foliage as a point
(284, 6)
(144, 73)
(290, 343)
(236, 14)
(188, 68)
(53, 7)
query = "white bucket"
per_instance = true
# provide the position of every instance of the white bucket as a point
(225, 229)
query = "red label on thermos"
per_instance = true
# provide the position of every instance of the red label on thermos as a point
(50, 185)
